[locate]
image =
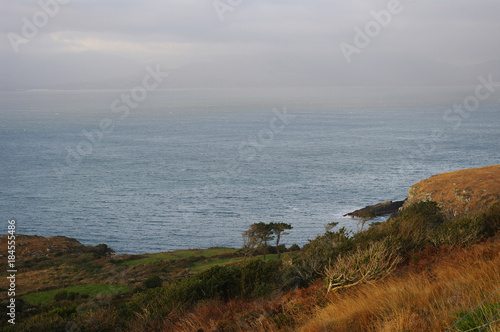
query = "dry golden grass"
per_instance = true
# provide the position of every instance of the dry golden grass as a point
(427, 294)
(427, 300)
(462, 192)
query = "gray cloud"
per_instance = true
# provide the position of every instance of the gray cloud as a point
(429, 42)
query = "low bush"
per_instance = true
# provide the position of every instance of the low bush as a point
(152, 282)
(409, 231)
(458, 232)
(256, 278)
(360, 266)
(100, 250)
(492, 220)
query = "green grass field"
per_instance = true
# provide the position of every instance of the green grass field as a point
(226, 261)
(210, 258)
(90, 289)
(180, 254)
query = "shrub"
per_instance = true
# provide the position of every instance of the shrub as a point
(319, 251)
(265, 249)
(258, 278)
(360, 266)
(411, 229)
(492, 220)
(213, 283)
(72, 296)
(467, 230)
(62, 295)
(253, 279)
(64, 311)
(407, 231)
(427, 210)
(315, 256)
(152, 282)
(47, 322)
(99, 320)
(300, 274)
(101, 250)
(460, 231)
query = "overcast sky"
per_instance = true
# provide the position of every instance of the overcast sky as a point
(248, 40)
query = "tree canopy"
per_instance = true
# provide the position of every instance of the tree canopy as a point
(259, 234)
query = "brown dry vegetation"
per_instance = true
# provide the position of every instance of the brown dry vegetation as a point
(428, 294)
(461, 192)
(423, 297)
(33, 246)
(37, 260)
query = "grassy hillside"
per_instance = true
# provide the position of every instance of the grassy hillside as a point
(459, 193)
(416, 271)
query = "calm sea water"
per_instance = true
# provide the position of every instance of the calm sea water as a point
(194, 168)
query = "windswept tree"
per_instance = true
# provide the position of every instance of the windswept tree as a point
(251, 240)
(265, 234)
(259, 234)
(278, 230)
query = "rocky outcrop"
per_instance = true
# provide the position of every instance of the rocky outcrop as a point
(34, 246)
(459, 193)
(380, 209)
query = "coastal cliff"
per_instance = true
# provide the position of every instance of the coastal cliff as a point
(461, 192)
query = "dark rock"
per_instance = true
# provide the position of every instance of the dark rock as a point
(380, 209)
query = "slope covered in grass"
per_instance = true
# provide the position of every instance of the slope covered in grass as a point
(431, 294)
(88, 289)
(459, 193)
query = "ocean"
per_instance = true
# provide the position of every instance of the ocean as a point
(177, 169)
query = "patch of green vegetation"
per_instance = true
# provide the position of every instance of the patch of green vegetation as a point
(152, 282)
(211, 263)
(256, 278)
(174, 255)
(477, 319)
(215, 252)
(89, 289)
(227, 261)
(146, 260)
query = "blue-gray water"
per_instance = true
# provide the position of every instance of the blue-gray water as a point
(194, 168)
